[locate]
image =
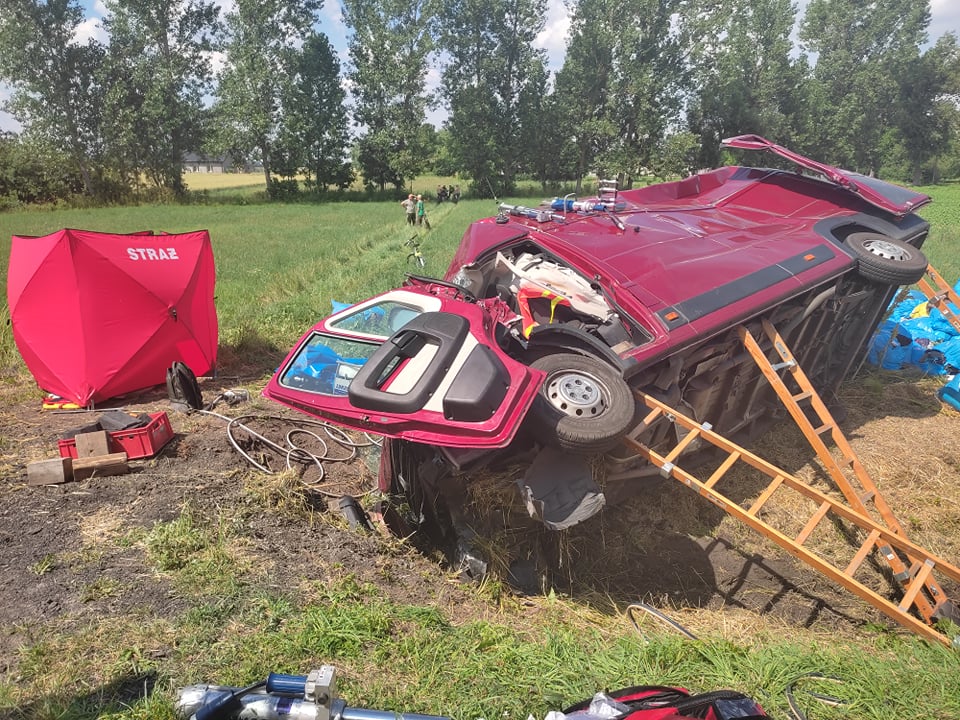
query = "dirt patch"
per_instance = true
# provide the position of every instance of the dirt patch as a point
(64, 548)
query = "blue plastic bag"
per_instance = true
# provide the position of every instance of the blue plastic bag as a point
(950, 393)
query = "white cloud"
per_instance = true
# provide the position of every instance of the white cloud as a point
(945, 17)
(90, 28)
(7, 123)
(226, 6)
(553, 37)
(217, 60)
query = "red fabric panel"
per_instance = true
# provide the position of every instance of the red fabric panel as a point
(96, 315)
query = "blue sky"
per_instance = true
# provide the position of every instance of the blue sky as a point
(946, 17)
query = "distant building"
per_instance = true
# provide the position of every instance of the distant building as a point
(196, 163)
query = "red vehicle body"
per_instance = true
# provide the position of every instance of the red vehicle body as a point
(580, 302)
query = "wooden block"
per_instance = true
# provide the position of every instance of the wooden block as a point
(49, 472)
(112, 464)
(92, 444)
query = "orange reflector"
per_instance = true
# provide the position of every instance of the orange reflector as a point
(809, 256)
(671, 316)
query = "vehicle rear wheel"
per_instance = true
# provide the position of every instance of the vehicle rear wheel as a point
(885, 260)
(584, 406)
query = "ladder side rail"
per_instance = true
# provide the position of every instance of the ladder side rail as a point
(938, 297)
(864, 522)
(799, 417)
(798, 551)
(945, 288)
(867, 485)
(842, 481)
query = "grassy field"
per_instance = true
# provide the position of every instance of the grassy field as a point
(290, 261)
(278, 269)
(943, 246)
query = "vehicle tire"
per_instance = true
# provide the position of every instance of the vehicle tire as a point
(885, 260)
(583, 406)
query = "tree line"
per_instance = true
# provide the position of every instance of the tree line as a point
(646, 87)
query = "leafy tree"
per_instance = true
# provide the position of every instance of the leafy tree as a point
(584, 83)
(650, 75)
(622, 81)
(57, 95)
(314, 132)
(34, 174)
(389, 45)
(864, 52)
(926, 109)
(159, 70)
(492, 84)
(747, 81)
(553, 156)
(263, 37)
(676, 155)
(946, 161)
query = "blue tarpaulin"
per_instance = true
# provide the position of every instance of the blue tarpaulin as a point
(919, 336)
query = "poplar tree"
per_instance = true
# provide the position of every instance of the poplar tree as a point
(263, 43)
(389, 46)
(159, 70)
(864, 53)
(57, 95)
(493, 83)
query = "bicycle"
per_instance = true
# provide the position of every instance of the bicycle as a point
(416, 255)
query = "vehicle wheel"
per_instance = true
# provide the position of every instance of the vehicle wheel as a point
(584, 406)
(885, 260)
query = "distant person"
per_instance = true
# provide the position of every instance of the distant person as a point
(422, 213)
(455, 194)
(410, 206)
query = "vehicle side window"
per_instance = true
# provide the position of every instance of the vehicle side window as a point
(326, 365)
(380, 320)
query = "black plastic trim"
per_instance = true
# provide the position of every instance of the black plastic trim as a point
(478, 388)
(910, 229)
(443, 329)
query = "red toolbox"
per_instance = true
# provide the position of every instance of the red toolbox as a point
(138, 442)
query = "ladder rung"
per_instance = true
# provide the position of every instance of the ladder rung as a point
(868, 496)
(914, 569)
(800, 397)
(812, 523)
(862, 553)
(651, 416)
(722, 470)
(824, 429)
(765, 495)
(691, 435)
(915, 585)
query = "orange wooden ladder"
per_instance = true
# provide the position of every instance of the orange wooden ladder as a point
(939, 293)
(782, 528)
(847, 472)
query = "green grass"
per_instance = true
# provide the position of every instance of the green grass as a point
(944, 241)
(279, 267)
(393, 655)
